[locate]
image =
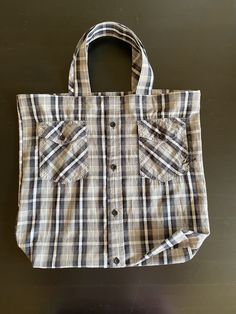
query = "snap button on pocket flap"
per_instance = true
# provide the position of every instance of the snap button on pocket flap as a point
(62, 132)
(160, 129)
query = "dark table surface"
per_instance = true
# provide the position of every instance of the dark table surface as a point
(191, 45)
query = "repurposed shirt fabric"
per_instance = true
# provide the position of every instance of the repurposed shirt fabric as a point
(111, 179)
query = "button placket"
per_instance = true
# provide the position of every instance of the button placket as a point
(116, 254)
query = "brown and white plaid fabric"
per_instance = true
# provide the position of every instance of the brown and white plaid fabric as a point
(111, 179)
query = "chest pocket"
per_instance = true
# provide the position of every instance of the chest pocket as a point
(163, 148)
(63, 150)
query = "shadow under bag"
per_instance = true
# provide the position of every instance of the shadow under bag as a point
(111, 179)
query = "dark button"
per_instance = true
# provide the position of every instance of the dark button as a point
(161, 136)
(113, 166)
(116, 260)
(114, 212)
(112, 124)
(62, 137)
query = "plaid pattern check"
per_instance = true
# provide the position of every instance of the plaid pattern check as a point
(111, 179)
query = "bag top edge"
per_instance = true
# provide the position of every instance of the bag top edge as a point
(155, 92)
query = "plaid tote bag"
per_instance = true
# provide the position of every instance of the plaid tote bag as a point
(110, 179)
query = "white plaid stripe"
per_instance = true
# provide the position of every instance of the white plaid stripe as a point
(66, 219)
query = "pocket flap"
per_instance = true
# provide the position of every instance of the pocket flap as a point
(161, 129)
(62, 132)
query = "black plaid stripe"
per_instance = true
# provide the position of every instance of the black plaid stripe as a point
(72, 225)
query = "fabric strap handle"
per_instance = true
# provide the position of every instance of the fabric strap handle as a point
(142, 73)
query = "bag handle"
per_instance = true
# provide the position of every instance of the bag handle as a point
(142, 73)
